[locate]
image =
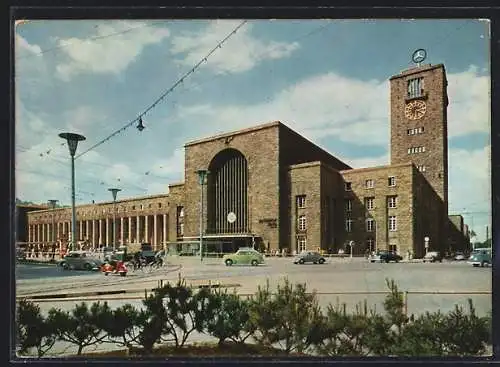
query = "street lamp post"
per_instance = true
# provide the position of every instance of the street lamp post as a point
(52, 205)
(202, 175)
(114, 191)
(72, 140)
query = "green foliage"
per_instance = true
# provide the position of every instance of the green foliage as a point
(174, 312)
(82, 327)
(122, 325)
(33, 330)
(231, 319)
(287, 318)
(290, 318)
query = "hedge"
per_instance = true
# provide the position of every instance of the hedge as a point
(289, 318)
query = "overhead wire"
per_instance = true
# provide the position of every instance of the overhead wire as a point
(153, 105)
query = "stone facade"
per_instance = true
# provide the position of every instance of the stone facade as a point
(285, 192)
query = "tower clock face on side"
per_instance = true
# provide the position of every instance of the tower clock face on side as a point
(415, 110)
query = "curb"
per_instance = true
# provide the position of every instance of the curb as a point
(122, 291)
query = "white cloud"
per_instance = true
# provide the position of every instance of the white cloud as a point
(470, 187)
(108, 55)
(469, 109)
(239, 53)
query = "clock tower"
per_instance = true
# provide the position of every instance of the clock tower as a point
(419, 129)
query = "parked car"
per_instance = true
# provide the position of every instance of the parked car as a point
(309, 256)
(459, 256)
(79, 260)
(244, 256)
(385, 256)
(480, 257)
(432, 257)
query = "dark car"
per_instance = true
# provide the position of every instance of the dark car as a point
(385, 256)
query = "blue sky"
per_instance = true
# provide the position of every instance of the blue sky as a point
(327, 79)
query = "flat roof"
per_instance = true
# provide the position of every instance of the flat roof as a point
(236, 132)
(366, 169)
(416, 69)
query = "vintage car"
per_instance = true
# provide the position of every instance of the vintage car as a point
(79, 260)
(432, 257)
(385, 256)
(480, 257)
(244, 256)
(309, 256)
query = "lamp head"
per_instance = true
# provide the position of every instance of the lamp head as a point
(72, 140)
(114, 191)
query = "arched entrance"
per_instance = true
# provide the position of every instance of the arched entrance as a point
(227, 192)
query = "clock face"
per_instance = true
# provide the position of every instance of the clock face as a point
(415, 110)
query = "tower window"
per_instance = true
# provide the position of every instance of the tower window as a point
(301, 201)
(369, 203)
(348, 205)
(415, 87)
(391, 181)
(421, 168)
(302, 223)
(348, 186)
(415, 131)
(348, 225)
(369, 184)
(392, 201)
(392, 223)
(370, 225)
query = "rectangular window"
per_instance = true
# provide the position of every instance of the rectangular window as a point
(393, 225)
(409, 150)
(181, 229)
(393, 248)
(369, 184)
(159, 205)
(302, 223)
(415, 87)
(302, 244)
(391, 181)
(423, 149)
(348, 186)
(369, 203)
(392, 201)
(348, 225)
(348, 205)
(370, 225)
(301, 201)
(370, 244)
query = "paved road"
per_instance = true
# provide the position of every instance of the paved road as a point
(336, 276)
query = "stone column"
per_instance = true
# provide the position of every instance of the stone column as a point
(155, 230)
(164, 244)
(58, 231)
(146, 229)
(29, 233)
(130, 229)
(44, 232)
(87, 229)
(101, 232)
(121, 230)
(94, 244)
(80, 235)
(138, 229)
(39, 233)
(107, 232)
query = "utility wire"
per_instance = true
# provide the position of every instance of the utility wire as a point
(181, 80)
(259, 55)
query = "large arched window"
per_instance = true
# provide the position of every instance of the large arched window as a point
(227, 193)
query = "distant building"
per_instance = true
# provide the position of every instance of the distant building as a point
(22, 211)
(271, 188)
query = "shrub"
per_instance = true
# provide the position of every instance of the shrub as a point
(82, 327)
(288, 318)
(122, 325)
(33, 330)
(230, 319)
(174, 312)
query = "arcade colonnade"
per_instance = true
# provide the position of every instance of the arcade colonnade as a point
(129, 229)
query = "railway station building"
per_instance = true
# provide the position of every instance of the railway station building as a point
(269, 187)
